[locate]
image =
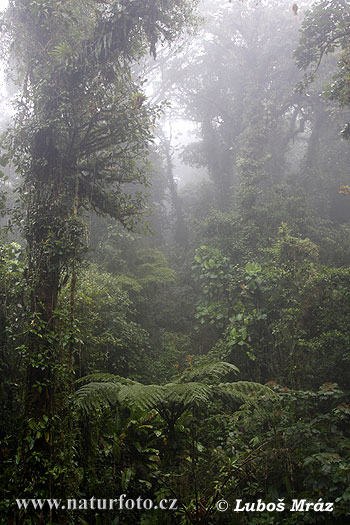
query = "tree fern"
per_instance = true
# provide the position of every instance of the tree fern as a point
(139, 396)
(187, 394)
(208, 373)
(94, 395)
(242, 391)
(103, 392)
(169, 400)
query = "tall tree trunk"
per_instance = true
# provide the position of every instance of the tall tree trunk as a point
(44, 445)
(181, 233)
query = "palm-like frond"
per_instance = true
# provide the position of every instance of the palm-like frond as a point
(104, 393)
(187, 394)
(209, 373)
(242, 391)
(139, 396)
(94, 395)
(170, 400)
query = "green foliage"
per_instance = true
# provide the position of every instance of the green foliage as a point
(268, 313)
(170, 354)
(106, 336)
(325, 31)
(151, 269)
(214, 272)
(306, 443)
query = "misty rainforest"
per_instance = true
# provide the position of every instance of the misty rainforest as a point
(174, 262)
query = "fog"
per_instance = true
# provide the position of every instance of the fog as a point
(175, 262)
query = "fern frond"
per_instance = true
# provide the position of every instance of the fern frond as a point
(174, 398)
(242, 391)
(187, 394)
(140, 396)
(94, 395)
(208, 373)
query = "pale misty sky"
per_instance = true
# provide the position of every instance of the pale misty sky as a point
(3, 105)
